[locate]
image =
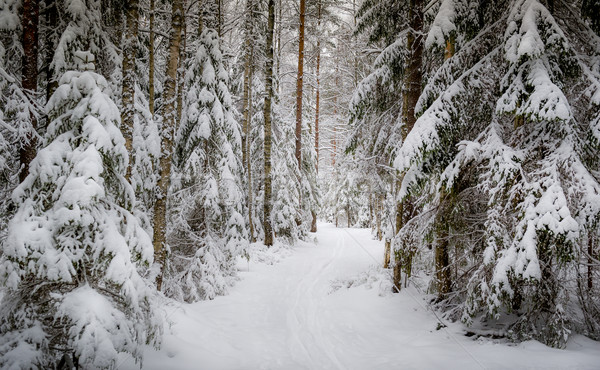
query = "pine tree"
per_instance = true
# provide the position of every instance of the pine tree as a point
(83, 246)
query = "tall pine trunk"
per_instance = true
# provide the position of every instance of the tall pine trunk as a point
(29, 69)
(170, 95)
(50, 40)
(299, 84)
(128, 70)
(267, 128)
(247, 98)
(411, 91)
(442, 245)
(318, 86)
(151, 61)
(313, 226)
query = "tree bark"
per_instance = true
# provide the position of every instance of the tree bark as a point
(299, 84)
(378, 202)
(151, 61)
(267, 119)
(247, 98)
(128, 84)
(170, 91)
(590, 261)
(181, 74)
(279, 27)
(51, 21)
(29, 69)
(442, 245)
(318, 86)
(334, 140)
(411, 91)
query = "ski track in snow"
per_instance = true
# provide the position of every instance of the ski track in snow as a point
(284, 316)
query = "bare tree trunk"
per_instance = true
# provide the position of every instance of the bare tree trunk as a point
(318, 87)
(170, 90)
(410, 95)
(590, 261)
(371, 208)
(247, 98)
(181, 74)
(387, 254)
(378, 216)
(334, 140)
(219, 19)
(442, 258)
(151, 61)
(279, 27)
(267, 118)
(442, 245)
(51, 21)
(29, 69)
(128, 70)
(348, 215)
(299, 84)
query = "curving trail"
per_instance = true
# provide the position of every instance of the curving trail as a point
(284, 316)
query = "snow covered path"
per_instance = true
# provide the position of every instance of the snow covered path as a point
(285, 316)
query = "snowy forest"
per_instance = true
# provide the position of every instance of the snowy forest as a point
(159, 156)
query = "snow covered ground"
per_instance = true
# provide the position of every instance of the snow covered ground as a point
(287, 316)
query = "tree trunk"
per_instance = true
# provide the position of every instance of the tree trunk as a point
(279, 27)
(267, 118)
(411, 91)
(378, 207)
(170, 90)
(442, 255)
(398, 252)
(247, 98)
(128, 70)
(151, 61)
(51, 21)
(387, 255)
(442, 258)
(29, 69)
(348, 215)
(318, 87)
(334, 140)
(299, 84)
(590, 261)
(181, 75)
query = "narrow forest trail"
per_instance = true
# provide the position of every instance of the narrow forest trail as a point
(285, 316)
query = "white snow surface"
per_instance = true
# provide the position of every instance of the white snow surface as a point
(287, 315)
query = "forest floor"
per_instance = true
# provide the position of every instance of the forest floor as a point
(294, 310)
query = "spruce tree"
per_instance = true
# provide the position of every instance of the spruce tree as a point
(210, 230)
(518, 162)
(71, 259)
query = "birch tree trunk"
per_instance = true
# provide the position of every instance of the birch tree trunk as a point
(170, 95)
(267, 128)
